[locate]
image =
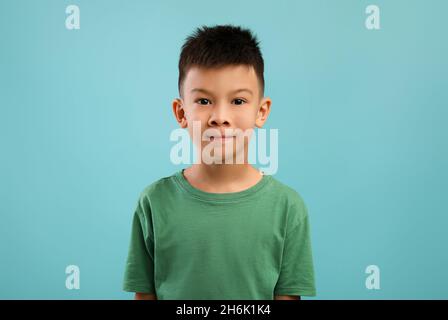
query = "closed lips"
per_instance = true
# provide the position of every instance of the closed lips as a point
(221, 137)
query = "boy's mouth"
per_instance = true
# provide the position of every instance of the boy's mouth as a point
(222, 138)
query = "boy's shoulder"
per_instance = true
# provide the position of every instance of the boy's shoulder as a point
(275, 189)
(288, 193)
(157, 186)
(287, 200)
(285, 189)
(293, 203)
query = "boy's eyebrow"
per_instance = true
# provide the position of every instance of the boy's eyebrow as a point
(208, 92)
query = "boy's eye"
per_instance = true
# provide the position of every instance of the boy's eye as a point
(201, 101)
(239, 101)
(204, 101)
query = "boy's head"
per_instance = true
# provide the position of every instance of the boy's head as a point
(221, 83)
(219, 46)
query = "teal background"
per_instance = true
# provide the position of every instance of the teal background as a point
(86, 117)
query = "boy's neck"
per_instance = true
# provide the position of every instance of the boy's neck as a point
(222, 178)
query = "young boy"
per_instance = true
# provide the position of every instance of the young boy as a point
(220, 230)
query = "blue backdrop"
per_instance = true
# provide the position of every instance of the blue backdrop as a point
(86, 117)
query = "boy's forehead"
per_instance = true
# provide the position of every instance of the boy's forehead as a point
(226, 78)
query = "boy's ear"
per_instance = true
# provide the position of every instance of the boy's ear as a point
(179, 112)
(263, 111)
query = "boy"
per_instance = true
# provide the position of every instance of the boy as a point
(217, 229)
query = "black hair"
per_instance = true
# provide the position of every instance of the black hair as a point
(219, 46)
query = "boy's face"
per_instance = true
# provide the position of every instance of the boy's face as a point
(214, 98)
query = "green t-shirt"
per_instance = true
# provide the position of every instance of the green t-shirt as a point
(190, 244)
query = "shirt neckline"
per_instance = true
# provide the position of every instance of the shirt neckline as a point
(220, 197)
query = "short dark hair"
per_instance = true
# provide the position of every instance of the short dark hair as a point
(219, 46)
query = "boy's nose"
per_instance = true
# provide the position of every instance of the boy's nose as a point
(219, 116)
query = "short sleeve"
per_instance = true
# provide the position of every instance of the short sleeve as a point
(297, 271)
(139, 270)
